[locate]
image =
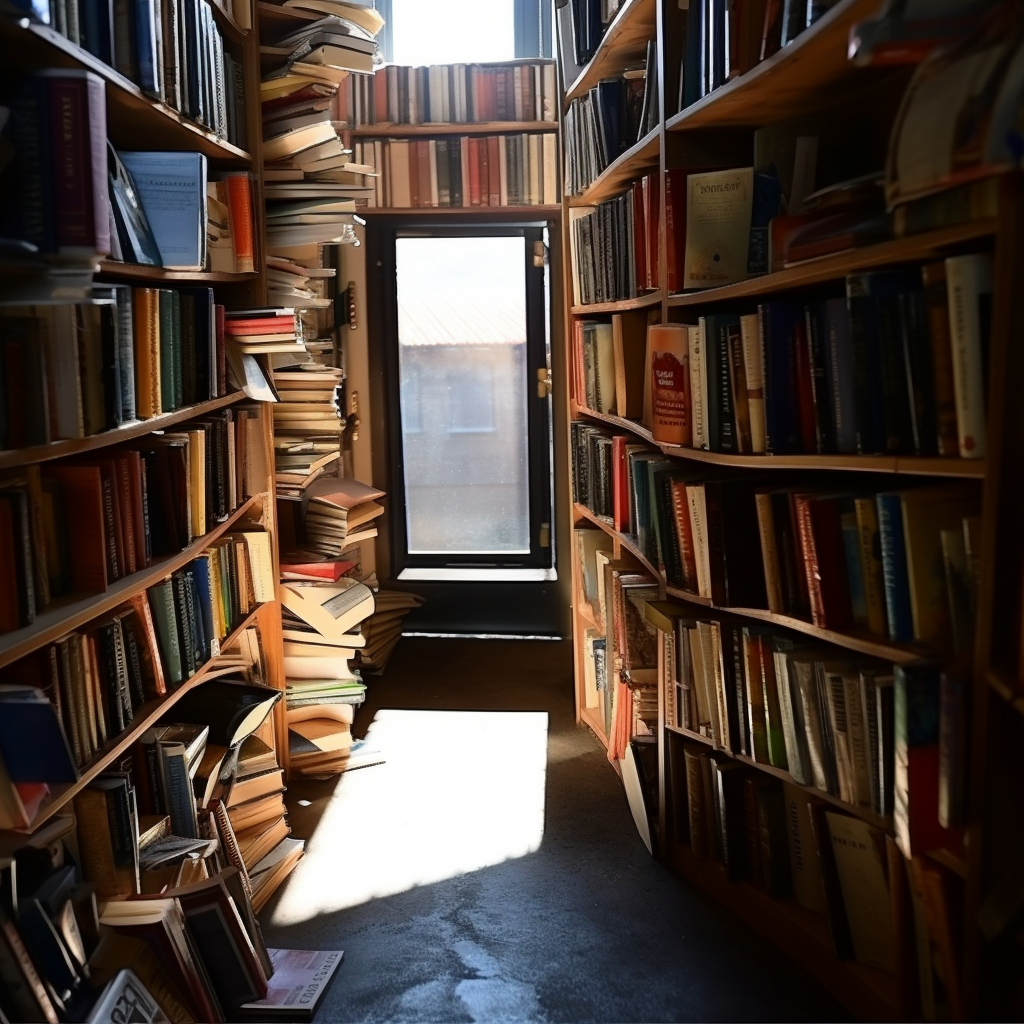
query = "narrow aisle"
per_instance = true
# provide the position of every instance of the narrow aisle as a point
(468, 880)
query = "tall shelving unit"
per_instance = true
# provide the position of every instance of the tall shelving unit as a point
(809, 76)
(137, 120)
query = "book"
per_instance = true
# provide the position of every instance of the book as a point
(297, 986)
(233, 709)
(718, 212)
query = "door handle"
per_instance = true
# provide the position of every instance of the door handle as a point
(543, 382)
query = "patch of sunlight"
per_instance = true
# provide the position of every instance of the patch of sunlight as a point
(459, 791)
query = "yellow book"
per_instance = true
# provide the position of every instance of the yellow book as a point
(197, 480)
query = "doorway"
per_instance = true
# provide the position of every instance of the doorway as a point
(464, 350)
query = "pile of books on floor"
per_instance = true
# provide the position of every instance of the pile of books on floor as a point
(383, 629)
(322, 619)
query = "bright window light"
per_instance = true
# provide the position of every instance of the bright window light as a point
(449, 31)
(422, 816)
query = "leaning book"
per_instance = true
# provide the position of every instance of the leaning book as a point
(300, 980)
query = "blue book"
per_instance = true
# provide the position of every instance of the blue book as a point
(778, 323)
(609, 109)
(204, 602)
(145, 47)
(839, 358)
(172, 190)
(894, 567)
(32, 743)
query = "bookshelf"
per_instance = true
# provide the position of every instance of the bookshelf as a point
(795, 89)
(138, 120)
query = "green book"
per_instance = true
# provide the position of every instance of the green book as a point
(189, 387)
(161, 604)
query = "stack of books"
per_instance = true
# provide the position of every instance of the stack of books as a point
(322, 634)
(340, 514)
(290, 283)
(307, 426)
(383, 629)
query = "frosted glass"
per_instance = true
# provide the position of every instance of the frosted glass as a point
(463, 394)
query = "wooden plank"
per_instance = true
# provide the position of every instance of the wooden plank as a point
(905, 465)
(624, 169)
(147, 715)
(517, 212)
(75, 611)
(927, 245)
(802, 78)
(619, 306)
(624, 40)
(77, 446)
(136, 272)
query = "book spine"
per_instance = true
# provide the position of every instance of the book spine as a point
(894, 568)
(969, 280)
(934, 278)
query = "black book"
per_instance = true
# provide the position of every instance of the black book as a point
(821, 377)
(721, 411)
(233, 709)
(917, 364)
(186, 637)
(730, 815)
(199, 651)
(188, 348)
(133, 662)
(118, 703)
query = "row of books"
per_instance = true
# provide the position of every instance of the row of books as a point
(77, 527)
(76, 370)
(172, 50)
(833, 722)
(804, 378)
(451, 94)
(468, 170)
(897, 563)
(306, 426)
(800, 378)
(722, 42)
(610, 118)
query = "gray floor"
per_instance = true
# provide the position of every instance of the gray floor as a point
(586, 928)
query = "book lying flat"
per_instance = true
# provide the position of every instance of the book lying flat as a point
(331, 609)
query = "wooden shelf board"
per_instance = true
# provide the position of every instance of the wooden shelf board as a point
(582, 512)
(625, 168)
(913, 248)
(905, 465)
(227, 24)
(284, 15)
(399, 131)
(528, 212)
(145, 717)
(132, 117)
(624, 40)
(75, 611)
(137, 272)
(801, 78)
(619, 305)
(138, 428)
(687, 734)
(869, 993)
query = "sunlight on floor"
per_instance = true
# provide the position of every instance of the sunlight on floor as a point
(460, 791)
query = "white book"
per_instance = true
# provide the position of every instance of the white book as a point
(969, 288)
(753, 369)
(718, 209)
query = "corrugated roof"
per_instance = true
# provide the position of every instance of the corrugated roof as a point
(439, 321)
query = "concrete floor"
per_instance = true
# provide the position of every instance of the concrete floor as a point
(584, 926)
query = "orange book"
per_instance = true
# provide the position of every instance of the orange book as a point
(240, 210)
(83, 502)
(146, 314)
(493, 171)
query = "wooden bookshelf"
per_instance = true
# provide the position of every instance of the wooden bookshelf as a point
(146, 717)
(74, 611)
(807, 79)
(625, 168)
(624, 41)
(13, 458)
(802, 78)
(134, 118)
(481, 212)
(915, 248)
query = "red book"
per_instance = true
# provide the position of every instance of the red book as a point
(474, 171)
(331, 570)
(675, 225)
(10, 618)
(380, 96)
(821, 540)
(684, 534)
(78, 156)
(414, 173)
(493, 170)
(247, 328)
(803, 387)
(529, 94)
(620, 484)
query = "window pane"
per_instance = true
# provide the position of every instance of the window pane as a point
(449, 31)
(463, 381)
